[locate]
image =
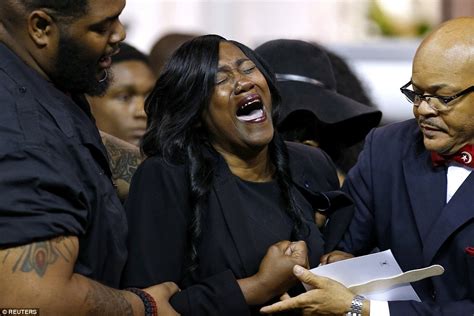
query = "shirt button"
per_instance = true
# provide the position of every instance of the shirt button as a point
(433, 295)
(306, 184)
(22, 90)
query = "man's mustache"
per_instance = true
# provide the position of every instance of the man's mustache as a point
(430, 123)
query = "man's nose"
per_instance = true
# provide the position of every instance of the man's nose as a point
(425, 108)
(118, 35)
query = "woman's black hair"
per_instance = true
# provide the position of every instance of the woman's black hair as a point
(176, 131)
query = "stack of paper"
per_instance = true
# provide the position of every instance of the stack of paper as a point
(377, 276)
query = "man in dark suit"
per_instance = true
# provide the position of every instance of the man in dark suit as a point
(413, 189)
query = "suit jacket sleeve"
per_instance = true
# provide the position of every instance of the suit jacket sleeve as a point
(158, 212)
(361, 237)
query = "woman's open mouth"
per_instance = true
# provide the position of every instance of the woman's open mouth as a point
(251, 109)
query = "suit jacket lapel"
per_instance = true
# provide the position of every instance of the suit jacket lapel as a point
(458, 211)
(226, 187)
(426, 188)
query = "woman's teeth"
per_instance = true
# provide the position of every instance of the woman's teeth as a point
(253, 115)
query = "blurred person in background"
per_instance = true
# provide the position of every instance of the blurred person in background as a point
(313, 111)
(349, 85)
(222, 204)
(347, 82)
(120, 111)
(164, 47)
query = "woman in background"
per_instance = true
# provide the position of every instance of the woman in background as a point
(314, 111)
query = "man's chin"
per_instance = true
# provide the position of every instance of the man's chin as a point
(99, 87)
(101, 84)
(436, 145)
(92, 87)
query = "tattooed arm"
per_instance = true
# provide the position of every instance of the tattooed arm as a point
(40, 275)
(124, 160)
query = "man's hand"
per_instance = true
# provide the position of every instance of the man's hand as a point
(334, 256)
(328, 297)
(162, 293)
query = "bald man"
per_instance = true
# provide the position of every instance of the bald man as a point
(413, 188)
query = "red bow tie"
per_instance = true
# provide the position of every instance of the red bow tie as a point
(464, 156)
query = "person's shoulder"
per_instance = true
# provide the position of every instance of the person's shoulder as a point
(302, 151)
(396, 134)
(158, 161)
(301, 156)
(7, 88)
(157, 164)
(158, 176)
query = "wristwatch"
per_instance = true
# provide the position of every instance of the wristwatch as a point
(356, 306)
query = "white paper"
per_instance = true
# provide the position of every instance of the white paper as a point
(363, 269)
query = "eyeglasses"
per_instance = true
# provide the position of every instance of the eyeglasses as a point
(442, 103)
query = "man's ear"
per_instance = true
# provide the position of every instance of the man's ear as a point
(40, 27)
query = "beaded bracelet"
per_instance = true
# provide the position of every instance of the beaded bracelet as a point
(148, 301)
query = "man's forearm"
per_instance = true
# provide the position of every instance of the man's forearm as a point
(102, 300)
(40, 275)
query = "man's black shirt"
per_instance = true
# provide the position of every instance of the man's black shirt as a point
(54, 173)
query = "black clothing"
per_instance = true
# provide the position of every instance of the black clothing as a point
(265, 212)
(55, 179)
(158, 211)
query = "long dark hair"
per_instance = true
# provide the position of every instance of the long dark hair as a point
(175, 130)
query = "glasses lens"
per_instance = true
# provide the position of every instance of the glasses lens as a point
(410, 95)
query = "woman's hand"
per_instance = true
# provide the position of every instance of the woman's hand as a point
(328, 297)
(276, 268)
(275, 276)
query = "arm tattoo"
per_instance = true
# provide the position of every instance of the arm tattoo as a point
(38, 256)
(123, 160)
(106, 301)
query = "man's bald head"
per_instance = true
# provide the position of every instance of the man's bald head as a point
(450, 47)
(443, 67)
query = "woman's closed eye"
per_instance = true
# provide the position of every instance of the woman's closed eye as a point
(249, 69)
(221, 78)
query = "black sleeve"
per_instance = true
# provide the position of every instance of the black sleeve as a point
(41, 197)
(339, 219)
(360, 237)
(158, 210)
